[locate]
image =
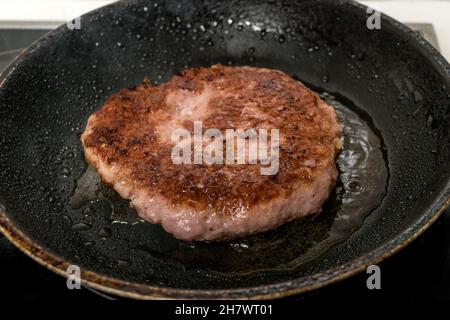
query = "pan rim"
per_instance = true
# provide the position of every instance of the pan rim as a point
(123, 288)
(146, 292)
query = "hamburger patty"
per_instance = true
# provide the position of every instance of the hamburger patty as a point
(129, 142)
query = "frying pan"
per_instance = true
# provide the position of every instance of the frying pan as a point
(391, 75)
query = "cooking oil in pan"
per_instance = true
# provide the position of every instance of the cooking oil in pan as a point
(360, 189)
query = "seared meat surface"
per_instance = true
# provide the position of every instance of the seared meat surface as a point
(129, 142)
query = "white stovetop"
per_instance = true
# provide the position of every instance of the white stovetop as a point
(49, 13)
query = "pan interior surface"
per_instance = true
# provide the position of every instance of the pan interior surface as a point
(393, 81)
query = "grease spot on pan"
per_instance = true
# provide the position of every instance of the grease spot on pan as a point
(360, 189)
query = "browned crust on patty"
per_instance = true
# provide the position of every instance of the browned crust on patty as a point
(125, 133)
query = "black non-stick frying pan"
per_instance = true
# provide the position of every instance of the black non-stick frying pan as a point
(54, 209)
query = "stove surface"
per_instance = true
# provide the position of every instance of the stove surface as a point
(421, 270)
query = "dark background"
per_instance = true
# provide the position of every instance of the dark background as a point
(420, 271)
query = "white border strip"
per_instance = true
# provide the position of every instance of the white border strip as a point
(50, 11)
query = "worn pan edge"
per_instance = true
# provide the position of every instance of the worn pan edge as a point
(138, 291)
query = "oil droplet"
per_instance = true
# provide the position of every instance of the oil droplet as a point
(65, 171)
(104, 233)
(122, 263)
(417, 97)
(81, 226)
(89, 244)
(430, 120)
(354, 186)
(88, 211)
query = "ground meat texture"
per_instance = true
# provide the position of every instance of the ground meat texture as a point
(128, 141)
